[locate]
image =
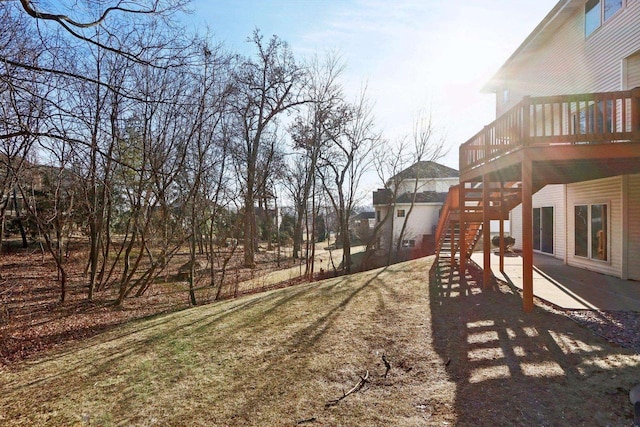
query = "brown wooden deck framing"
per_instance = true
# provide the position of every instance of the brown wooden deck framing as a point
(540, 141)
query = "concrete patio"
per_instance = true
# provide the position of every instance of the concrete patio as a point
(566, 286)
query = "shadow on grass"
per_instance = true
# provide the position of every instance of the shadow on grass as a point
(303, 341)
(308, 336)
(145, 333)
(139, 336)
(514, 368)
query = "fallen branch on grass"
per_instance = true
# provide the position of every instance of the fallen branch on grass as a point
(357, 387)
(386, 364)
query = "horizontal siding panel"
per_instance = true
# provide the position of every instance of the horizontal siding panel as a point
(515, 224)
(633, 250)
(568, 63)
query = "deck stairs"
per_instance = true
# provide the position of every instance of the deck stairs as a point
(469, 209)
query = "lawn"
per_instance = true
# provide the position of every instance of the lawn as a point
(457, 356)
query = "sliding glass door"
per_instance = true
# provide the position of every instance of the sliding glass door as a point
(543, 229)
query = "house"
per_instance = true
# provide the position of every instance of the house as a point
(361, 226)
(562, 159)
(409, 206)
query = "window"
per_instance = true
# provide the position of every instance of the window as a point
(611, 7)
(632, 71)
(581, 233)
(599, 232)
(409, 243)
(598, 11)
(378, 216)
(505, 95)
(593, 118)
(591, 16)
(400, 213)
(590, 234)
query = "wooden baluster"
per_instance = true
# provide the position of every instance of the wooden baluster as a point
(525, 132)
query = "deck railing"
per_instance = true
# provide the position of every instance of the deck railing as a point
(551, 120)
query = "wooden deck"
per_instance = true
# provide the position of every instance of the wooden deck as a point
(568, 134)
(540, 141)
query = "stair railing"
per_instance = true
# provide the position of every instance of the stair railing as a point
(450, 205)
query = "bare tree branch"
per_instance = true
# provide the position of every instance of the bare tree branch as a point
(357, 387)
(65, 21)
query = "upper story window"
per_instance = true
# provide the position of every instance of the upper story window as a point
(610, 8)
(505, 95)
(598, 11)
(400, 213)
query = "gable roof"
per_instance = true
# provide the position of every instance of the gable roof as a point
(365, 215)
(423, 197)
(426, 170)
(543, 31)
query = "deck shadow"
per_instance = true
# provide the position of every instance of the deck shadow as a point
(516, 368)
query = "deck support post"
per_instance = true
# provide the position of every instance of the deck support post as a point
(527, 233)
(486, 231)
(502, 214)
(463, 233)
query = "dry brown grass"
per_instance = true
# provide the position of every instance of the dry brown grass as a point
(32, 320)
(459, 357)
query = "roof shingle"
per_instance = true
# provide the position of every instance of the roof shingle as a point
(426, 170)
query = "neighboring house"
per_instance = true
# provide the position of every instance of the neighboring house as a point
(566, 145)
(425, 184)
(362, 226)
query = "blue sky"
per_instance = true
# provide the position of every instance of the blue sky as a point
(414, 55)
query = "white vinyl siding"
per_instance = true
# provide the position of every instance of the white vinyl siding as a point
(553, 196)
(424, 217)
(422, 221)
(566, 63)
(603, 191)
(633, 233)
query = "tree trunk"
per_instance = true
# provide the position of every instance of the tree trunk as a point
(297, 234)
(346, 243)
(311, 259)
(391, 239)
(249, 220)
(192, 270)
(23, 233)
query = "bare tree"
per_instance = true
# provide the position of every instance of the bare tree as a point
(296, 183)
(267, 86)
(391, 166)
(344, 162)
(50, 192)
(202, 182)
(426, 147)
(21, 108)
(311, 134)
(91, 15)
(388, 164)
